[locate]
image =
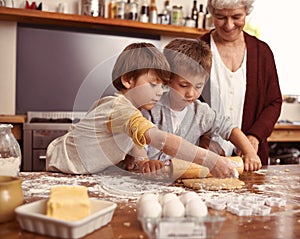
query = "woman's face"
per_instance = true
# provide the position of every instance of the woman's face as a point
(229, 23)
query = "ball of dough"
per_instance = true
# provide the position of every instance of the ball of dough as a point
(173, 208)
(186, 197)
(165, 198)
(196, 208)
(149, 208)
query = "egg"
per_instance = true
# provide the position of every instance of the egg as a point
(149, 208)
(147, 196)
(196, 208)
(165, 198)
(173, 208)
(186, 197)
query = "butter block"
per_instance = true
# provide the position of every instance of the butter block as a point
(69, 203)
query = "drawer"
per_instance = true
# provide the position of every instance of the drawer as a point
(42, 138)
(38, 160)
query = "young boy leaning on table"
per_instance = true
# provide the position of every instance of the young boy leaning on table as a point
(115, 126)
(180, 112)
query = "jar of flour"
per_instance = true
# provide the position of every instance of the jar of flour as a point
(10, 152)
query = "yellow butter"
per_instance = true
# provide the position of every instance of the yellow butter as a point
(70, 203)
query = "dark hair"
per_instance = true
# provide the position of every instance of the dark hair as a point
(137, 59)
(187, 56)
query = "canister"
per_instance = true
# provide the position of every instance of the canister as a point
(177, 15)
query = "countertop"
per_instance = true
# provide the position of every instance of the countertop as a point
(282, 181)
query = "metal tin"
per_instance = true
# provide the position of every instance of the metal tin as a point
(177, 15)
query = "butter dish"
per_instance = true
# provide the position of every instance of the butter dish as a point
(32, 217)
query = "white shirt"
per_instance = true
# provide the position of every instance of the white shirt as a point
(227, 92)
(177, 117)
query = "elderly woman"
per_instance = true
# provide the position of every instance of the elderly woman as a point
(244, 82)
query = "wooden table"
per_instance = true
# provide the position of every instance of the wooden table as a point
(278, 180)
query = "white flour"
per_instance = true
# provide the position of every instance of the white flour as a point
(115, 188)
(10, 166)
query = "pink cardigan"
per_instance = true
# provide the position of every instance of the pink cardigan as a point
(263, 98)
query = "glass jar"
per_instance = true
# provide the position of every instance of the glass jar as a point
(10, 152)
(177, 15)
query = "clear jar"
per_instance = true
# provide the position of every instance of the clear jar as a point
(177, 15)
(10, 152)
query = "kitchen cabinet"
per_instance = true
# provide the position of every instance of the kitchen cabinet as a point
(95, 23)
(285, 133)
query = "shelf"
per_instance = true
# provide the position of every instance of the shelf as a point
(95, 23)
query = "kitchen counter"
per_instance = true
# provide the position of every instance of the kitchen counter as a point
(281, 181)
(285, 133)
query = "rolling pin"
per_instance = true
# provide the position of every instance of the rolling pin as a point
(183, 169)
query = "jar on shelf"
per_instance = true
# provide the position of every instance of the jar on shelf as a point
(10, 152)
(177, 15)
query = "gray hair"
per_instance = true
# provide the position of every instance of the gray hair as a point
(230, 4)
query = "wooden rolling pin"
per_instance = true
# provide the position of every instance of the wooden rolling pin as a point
(184, 169)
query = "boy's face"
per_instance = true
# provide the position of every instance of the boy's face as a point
(145, 91)
(184, 92)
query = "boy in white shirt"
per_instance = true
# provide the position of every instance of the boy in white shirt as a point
(180, 112)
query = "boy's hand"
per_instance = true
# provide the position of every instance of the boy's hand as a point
(223, 168)
(251, 162)
(150, 166)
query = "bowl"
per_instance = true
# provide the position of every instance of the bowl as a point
(32, 217)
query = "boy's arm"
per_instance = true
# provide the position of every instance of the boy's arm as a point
(251, 160)
(180, 148)
(138, 158)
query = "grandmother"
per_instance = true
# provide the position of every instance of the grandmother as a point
(244, 82)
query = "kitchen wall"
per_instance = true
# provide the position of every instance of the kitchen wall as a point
(277, 28)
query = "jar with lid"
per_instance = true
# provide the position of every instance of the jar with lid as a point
(10, 152)
(177, 15)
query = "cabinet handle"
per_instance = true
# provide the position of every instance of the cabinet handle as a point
(42, 157)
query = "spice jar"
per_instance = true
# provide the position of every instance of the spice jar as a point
(11, 196)
(10, 152)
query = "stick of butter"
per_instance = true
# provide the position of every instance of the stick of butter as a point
(70, 203)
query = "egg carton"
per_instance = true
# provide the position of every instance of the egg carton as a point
(183, 228)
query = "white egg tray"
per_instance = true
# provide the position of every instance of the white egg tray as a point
(32, 217)
(183, 228)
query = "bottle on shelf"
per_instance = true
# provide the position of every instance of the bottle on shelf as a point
(120, 9)
(194, 14)
(201, 16)
(144, 12)
(166, 13)
(131, 10)
(153, 12)
(112, 9)
(209, 24)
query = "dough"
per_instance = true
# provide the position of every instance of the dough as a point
(214, 183)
